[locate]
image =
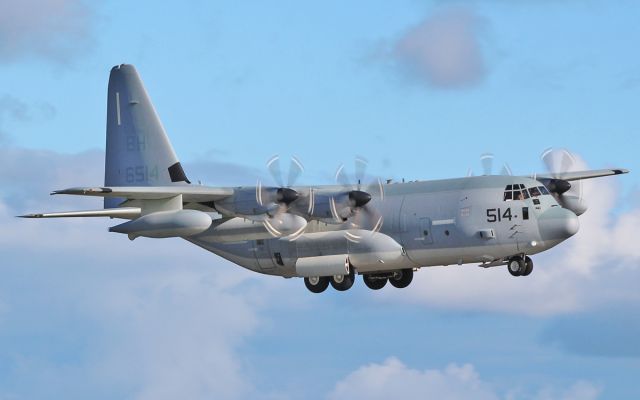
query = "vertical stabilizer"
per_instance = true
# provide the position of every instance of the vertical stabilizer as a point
(138, 150)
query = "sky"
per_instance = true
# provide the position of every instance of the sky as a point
(420, 89)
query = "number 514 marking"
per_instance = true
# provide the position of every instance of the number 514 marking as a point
(495, 215)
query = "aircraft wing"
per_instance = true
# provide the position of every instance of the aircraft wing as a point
(189, 193)
(575, 176)
(123, 212)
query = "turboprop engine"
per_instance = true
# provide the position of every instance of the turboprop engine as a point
(252, 201)
(568, 194)
(165, 224)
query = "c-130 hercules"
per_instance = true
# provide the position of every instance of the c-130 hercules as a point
(327, 234)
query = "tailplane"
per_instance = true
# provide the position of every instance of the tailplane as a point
(138, 151)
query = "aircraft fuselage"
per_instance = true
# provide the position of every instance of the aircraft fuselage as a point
(430, 223)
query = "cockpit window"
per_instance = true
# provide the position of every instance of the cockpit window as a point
(515, 192)
(534, 192)
(543, 190)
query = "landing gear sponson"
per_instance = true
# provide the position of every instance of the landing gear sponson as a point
(375, 281)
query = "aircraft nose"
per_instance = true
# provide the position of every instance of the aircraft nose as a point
(558, 223)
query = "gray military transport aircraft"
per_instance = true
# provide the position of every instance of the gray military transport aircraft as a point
(328, 234)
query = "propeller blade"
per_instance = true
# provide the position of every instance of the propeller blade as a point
(341, 176)
(506, 170)
(487, 163)
(273, 165)
(295, 170)
(558, 160)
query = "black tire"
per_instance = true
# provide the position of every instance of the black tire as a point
(343, 282)
(528, 266)
(402, 279)
(317, 284)
(373, 282)
(516, 266)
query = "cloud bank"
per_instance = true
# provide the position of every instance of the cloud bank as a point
(443, 51)
(50, 29)
(393, 379)
(80, 319)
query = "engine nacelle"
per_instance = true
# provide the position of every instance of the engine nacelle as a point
(165, 224)
(245, 201)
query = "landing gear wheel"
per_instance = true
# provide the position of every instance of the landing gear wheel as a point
(516, 266)
(374, 282)
(402, 279)
(343, 282)
(528, 266)
(317, 284)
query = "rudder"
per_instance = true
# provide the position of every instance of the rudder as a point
(138, 151)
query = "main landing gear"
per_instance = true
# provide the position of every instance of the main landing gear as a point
(318, 284)
(400, 279)
(520, 265)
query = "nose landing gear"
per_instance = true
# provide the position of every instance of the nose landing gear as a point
(520, 265)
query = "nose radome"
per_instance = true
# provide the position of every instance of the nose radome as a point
(558, 223)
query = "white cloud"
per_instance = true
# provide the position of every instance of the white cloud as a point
(53, 29)
(581, 390)
(443, 50)
(146, 319)
(394, 380)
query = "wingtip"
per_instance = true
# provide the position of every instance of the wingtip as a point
(621, 171)
(29, 216)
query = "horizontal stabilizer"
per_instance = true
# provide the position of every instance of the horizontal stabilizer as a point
(189, 193)
(125, 212)
(575, 176)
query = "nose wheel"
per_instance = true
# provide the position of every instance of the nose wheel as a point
(520, 266)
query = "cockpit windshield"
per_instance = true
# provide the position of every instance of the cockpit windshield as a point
(519, 192)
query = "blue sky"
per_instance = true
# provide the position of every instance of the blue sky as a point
(419, 88)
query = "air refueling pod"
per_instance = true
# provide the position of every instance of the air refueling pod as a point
(165, 224)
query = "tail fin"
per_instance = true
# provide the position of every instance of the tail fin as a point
(138, 150)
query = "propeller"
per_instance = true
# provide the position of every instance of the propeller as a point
(487, 161)
(568, 194)
(278, 199)
(354, 206)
